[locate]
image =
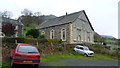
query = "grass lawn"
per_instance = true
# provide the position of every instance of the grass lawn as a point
(6, 64)
(115, 46)
(76, 56)
(110, 41)
(26, 28)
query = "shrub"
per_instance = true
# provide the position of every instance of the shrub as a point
(31, 41)
(55, 41)
(12, 40)
(41, 36)
(33, 32)
(8, 29)
(29, 36)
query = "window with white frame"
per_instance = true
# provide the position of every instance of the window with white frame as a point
(52, 34)
(88, 38)
(78, 34)
(63, 34)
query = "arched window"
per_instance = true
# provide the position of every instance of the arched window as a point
(78, 34)
(79, 37)
(63, 34)
(52, 34)
(88, 39)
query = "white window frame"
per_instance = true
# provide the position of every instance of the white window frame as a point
(79, 34)
(88, 36)
(52, 34)
(63, 29)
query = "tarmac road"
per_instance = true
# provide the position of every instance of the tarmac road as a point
(75, 63)
(79, 62)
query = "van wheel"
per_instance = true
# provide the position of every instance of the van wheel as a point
(85, 55)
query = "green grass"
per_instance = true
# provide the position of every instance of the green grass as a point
(27, 28)
(6, 64)
(110, 40)
(115, 46)
(71, 55)
(76, 56)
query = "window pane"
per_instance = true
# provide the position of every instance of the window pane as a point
(27, 49)
(63, 34)
(52, 34)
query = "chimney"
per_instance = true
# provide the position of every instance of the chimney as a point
(66, 13)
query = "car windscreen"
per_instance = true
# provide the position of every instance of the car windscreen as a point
(27, 49)
(86, 48)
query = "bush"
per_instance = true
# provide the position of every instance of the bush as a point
(103, 50)
(41, 36)
(33, 32)
(12, 40)
(29, 36)
(55, 41)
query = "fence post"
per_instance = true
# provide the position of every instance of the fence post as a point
(37, 44)
(16, 41)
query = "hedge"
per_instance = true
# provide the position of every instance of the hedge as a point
(31, 41)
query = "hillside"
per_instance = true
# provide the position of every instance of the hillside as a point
(34, 21)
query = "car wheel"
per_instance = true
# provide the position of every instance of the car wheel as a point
(10, 57)
(13, 64)
(85, 55)
(36, 65)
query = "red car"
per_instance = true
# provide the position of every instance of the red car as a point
(25, 54)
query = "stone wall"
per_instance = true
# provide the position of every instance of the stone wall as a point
(57, 32)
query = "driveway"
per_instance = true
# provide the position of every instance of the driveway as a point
(75, 63)
(79, 62)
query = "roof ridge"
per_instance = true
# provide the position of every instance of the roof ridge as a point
(61, 19)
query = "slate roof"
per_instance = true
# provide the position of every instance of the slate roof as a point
(12, 21)
(62, 20)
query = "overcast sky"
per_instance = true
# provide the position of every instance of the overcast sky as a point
(103, 14)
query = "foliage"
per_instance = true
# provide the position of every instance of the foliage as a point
(27, 28)
(29, 36)
(7, 14)
(27, 12)
(29, 18)
(33, 32)
(41, 36)
(55, 41)
(12, 40)
(8, 29)
(101, 50)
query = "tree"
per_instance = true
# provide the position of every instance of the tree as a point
(7, 14)
(37, 13)
(28, 18)
(33, 32)
(27, 12)
(8, 29)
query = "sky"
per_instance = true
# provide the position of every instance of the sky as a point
(103, 14)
